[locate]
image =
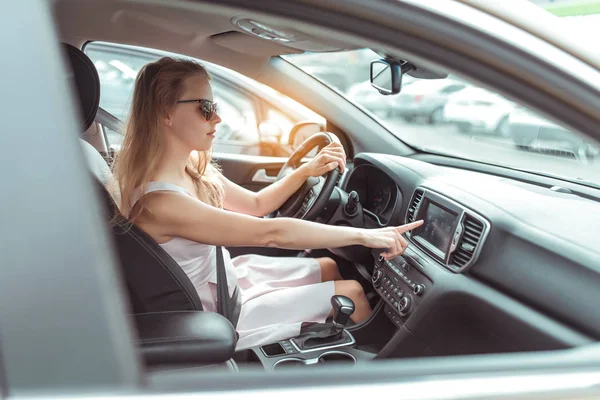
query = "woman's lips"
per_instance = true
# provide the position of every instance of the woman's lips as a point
(211, 133)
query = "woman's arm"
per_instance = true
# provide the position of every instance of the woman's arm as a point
(261, 203)
(172, 214)
(273, 196)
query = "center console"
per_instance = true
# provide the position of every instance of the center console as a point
(451, 236)
(401, 285)
(286, 353)
(317, 344)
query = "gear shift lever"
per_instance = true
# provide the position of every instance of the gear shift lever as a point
(321, 335)
(343, 307)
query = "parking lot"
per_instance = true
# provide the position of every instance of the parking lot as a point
(489, 148)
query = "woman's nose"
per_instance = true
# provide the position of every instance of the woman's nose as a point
(216, 118)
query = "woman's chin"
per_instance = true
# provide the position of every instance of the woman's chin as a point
(204, 146)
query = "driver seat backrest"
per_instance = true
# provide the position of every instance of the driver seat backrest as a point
(154, 281)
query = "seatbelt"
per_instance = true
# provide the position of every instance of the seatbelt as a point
(229, 307)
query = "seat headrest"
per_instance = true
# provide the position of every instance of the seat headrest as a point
(87, 84)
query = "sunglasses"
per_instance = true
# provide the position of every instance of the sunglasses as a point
(207, 107)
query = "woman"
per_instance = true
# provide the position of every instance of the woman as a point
(170, 189)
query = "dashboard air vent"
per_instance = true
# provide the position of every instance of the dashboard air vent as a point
(414, 206)
(473, 230)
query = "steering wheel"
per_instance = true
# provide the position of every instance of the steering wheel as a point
(309, 201)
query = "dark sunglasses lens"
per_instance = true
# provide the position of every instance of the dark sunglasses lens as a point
(208, 109)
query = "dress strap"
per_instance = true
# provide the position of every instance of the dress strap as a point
(158, 187)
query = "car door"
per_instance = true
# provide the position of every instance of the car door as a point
(251, 144)
(63, 322)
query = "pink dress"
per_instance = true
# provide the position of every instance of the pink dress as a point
(278, 293)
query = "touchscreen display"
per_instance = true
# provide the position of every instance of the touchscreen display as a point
(438, 227)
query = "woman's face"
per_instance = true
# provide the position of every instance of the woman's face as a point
(187, 121)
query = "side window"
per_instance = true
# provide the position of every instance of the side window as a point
(117, 70)
(246, 127)
(238, 114)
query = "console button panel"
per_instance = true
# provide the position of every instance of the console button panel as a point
(401, 286)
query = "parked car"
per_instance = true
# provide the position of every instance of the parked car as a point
(477, 109)
(425, 100)
(531, 132)
(367, 96)
(335, 77)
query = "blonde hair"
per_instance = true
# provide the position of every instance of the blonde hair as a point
(158, 86)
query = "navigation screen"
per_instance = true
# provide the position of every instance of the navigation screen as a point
(438, 227)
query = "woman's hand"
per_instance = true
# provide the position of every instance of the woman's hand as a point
(389, 238)
(329, 158)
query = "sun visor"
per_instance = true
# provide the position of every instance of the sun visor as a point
(243, 43)
(287, 37)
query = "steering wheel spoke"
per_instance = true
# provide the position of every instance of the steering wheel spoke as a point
(313, 181)
(310, 200)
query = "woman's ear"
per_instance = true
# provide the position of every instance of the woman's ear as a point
(166, 118)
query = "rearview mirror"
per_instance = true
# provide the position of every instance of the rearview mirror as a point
(386, 76)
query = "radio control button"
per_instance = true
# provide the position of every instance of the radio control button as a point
(404, 305)
(377, 278)
(419, 289)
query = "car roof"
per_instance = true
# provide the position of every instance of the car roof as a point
(218, 37)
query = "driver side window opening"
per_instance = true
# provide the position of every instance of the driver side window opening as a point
(253, 121)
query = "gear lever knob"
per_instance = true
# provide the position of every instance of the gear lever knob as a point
(352, 205)
(343, 307)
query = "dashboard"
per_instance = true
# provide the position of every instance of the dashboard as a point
(377, 192)
(498, 265)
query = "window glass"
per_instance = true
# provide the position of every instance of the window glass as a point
(455, 117)
(240, 99)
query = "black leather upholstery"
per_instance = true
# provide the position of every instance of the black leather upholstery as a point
(185, 337)
(154, 280)
(86, 82)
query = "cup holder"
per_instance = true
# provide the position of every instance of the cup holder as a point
(289, 362)
(337, 358)
(328, 358)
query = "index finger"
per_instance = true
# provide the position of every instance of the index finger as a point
(409, 227)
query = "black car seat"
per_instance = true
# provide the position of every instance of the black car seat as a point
(154, 280)
(163, 300)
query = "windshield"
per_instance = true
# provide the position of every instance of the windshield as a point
(454, 117)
